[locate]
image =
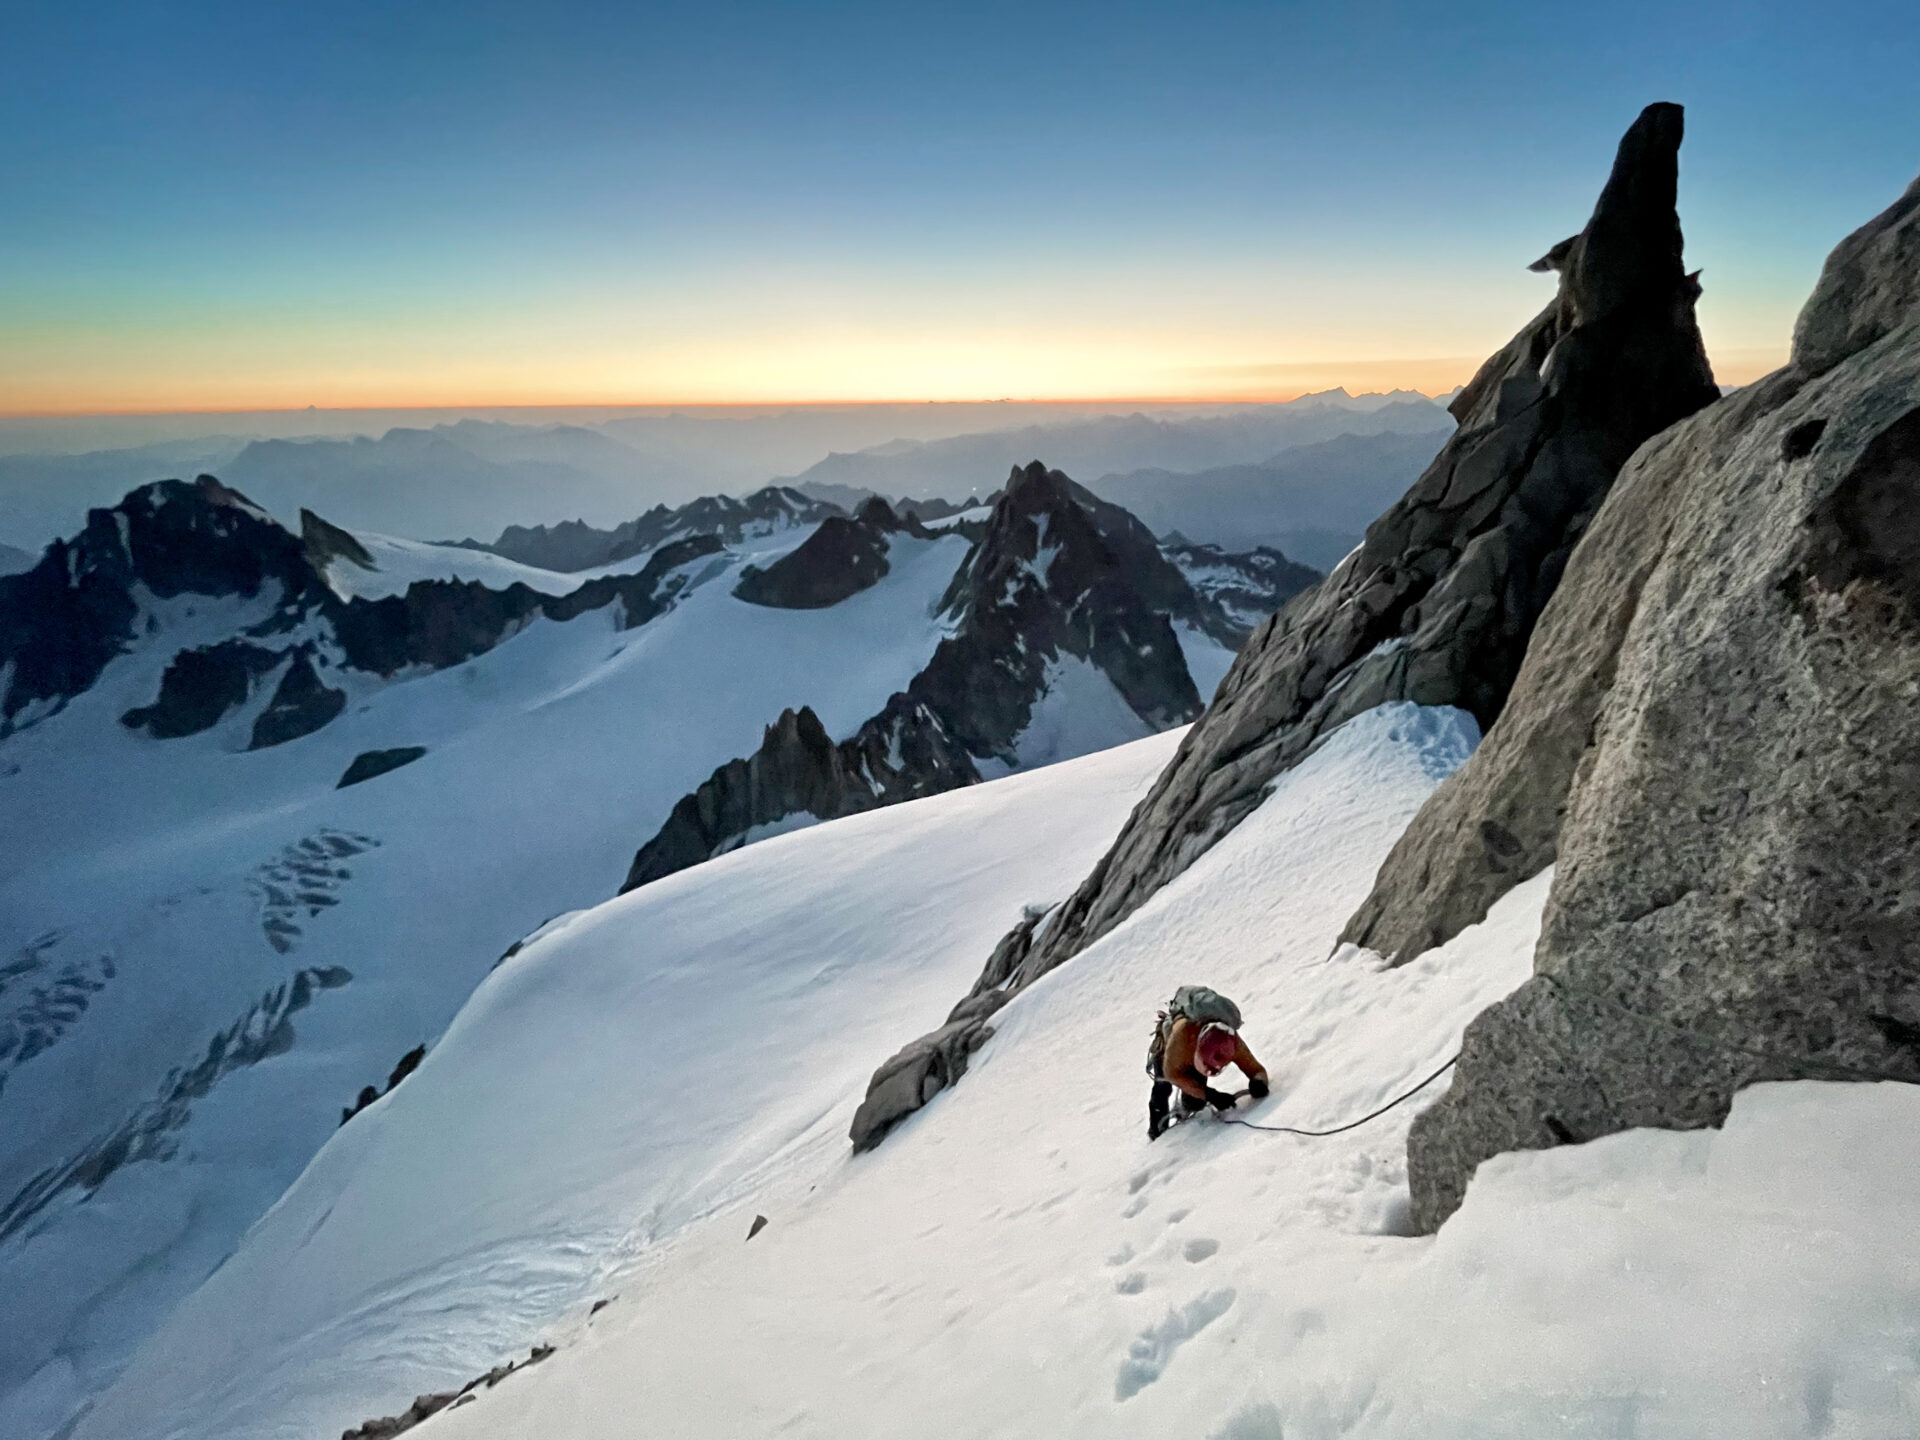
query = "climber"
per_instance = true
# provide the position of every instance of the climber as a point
(1196, 1037)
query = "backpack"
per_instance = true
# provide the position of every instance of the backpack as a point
(1197, 1005)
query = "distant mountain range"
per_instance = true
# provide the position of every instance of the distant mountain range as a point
(1312, 502)
(1111, 444)
(479, 477)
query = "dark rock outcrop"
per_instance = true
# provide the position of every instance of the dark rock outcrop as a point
(326, 542)
(1440, 600)
(901, 754)
(425, 1407)
(370, 763)
(1738, 891)
(840, 559)
(1058, 575)
(201, 685)
(301, 704)
(405, 1066)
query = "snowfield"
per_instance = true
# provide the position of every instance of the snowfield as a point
(172, 911)
(620, 1099)
(397, 563)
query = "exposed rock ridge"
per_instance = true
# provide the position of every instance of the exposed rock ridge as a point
(1496, 821)
(1437, 604)
(326, 542)
(62, 622)
(574, 545)
(1738, 889)
(1057, 573)
(798, 771)
(1238, 590)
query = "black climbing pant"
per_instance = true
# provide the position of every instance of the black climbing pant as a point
(1157, 1100)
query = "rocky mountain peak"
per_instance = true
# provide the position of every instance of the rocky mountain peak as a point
(1059, 579)
(877, 514)
(1498, 821)
(63, 620)
(1712, 736)
(327, 542)
(1438, 603)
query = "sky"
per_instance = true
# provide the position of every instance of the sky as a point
(262, 205)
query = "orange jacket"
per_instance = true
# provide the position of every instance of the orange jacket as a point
(1176, 1061)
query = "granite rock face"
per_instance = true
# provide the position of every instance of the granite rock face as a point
(1738, 891)
(1496, 821)
(913, 1077)
(1438, 603)
(1057, 575)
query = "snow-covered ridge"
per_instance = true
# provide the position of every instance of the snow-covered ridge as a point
(398, 563)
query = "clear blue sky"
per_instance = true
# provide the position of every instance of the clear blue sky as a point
(211, 205)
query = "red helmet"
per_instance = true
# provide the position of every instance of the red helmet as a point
(1215, 1049)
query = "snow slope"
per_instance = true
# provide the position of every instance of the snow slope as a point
(633, 1071)
(398, 563)
(206, 952)
(618, 1102)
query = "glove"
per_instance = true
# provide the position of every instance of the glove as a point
(1219, 1099)
(1193, 1104)
(1257, 1088)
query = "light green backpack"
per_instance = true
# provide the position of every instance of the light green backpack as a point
(1197, 1005)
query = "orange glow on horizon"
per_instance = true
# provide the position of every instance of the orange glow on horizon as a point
(727, 387)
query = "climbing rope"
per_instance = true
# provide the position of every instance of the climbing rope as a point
(1807, 1066)
(1352, 1124)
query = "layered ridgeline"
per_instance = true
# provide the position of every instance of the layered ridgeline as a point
(1071, 631)
(574, 545)
(1437, 605)
(1713, 732)
(276, 794)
